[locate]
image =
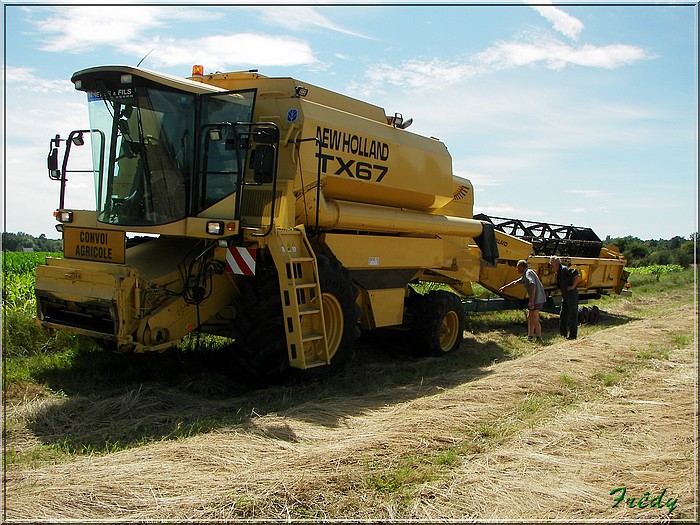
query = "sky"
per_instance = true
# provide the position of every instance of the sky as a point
(581, 115)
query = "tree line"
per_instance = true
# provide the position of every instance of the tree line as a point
(677, 250)
(20, 242)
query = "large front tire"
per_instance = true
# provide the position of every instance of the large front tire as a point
(261, 345)
(340, 313)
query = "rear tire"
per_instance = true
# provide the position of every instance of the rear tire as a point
(437, 323)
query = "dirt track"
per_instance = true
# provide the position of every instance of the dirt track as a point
(537, 437)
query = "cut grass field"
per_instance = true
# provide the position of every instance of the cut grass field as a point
(500, 429)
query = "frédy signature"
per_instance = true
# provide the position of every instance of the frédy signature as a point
(644, 501)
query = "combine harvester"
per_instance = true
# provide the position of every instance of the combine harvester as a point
(280, 215)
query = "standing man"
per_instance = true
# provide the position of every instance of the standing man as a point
(537, 296)
(567, 280)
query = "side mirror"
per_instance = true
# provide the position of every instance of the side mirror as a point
(266, 135)
(77, 139)
(123, 127)
(52, 165)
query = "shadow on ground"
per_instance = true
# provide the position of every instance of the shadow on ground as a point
(118, 401)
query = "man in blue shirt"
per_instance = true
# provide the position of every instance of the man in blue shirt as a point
(536, 293)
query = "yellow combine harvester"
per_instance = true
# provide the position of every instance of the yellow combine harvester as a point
(281, 215)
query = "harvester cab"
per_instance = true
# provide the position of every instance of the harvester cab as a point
(166, 149)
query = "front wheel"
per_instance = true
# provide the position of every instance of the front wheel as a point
(259, 350)
(340, 313)
(437, 323)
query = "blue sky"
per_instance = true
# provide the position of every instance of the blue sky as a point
(583, 115)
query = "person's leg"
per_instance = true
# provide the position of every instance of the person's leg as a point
(536, 326)
(573, 316)
(563, 317)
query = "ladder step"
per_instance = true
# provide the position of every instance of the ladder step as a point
(312, 337)
(315, 363)
(309, 311)
(302, 285)
(297, 272)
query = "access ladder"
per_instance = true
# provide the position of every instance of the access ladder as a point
(297, 270)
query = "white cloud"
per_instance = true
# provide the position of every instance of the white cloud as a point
(25, 77)
(591, 194)
(563, 22)
(299, 18)
(420, 74)
(478, 179)
(228, 51)
(425, 74)
(81, 29)
(557, 55)
(505, 211)
(35, 119)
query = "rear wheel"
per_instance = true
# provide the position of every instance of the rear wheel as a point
(437, 323)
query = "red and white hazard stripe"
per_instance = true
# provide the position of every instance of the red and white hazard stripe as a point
(241, 261)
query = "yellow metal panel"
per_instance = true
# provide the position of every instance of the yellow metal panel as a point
(271, 89)
(377, 252)
(372, 162)
(76, 283)
(197, 227)
(386, 306)
(85, 219)
(462, 203)
(493, 278)
(345, 215)
(512, 248)
(171, 322)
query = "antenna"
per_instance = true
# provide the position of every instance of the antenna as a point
(145, 57)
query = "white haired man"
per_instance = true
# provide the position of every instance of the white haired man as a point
(567, 281)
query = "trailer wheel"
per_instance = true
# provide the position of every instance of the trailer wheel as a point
(583, 315)
(437, 323)
(340, 313)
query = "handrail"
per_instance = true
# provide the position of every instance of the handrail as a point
(75, 138)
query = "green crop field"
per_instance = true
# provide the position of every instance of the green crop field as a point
(18, 277)
(20, 336)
